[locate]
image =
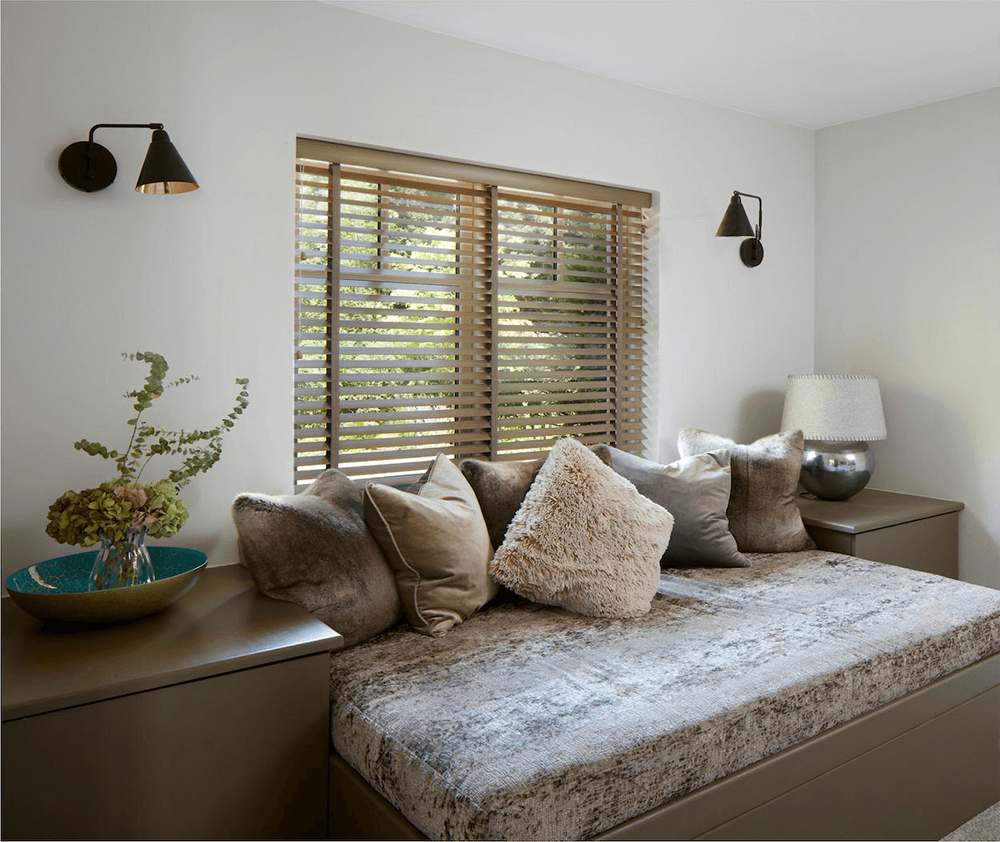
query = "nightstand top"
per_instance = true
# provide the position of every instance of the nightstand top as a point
(872, 509)
(221, 625)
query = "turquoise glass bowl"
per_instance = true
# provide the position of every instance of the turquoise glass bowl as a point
(57, 589)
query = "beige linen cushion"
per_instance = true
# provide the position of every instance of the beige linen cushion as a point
(695, 490)
(763, 514)
(584, 539)
(437, 545)
(314, 549)
(501, 487)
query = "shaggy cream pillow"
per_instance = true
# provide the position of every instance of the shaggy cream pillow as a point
(584, 539)
(501, 487)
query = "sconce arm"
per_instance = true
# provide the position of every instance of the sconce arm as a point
(760, 208)
(90, 138)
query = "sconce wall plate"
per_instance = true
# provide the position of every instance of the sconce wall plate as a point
(752, 252)
(87, 166)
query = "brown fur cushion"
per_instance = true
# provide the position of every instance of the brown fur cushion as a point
(501, 487)
(584, 539)
(314, 549)
(763, 514)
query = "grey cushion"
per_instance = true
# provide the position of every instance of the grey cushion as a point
(437, 545)
(763, 514)
(501, 486)
(695, 490)
(584, 539)
(314, 549)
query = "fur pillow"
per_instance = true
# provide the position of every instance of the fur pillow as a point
(584, 539)
(695, 491)
(314, 549)
(437, 545)
(763, 514)
(501, 486)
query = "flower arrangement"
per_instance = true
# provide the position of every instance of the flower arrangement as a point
(117, 506)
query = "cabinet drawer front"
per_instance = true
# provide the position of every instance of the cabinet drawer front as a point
(239, 755)
(930, 545)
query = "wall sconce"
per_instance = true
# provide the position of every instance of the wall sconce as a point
(736, 224)
(88, 166)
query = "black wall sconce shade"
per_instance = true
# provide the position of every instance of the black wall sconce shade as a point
(736, 224)
(88, 166)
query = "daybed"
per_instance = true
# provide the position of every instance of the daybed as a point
(807, 695)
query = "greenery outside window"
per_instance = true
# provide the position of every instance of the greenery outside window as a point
(445, 307)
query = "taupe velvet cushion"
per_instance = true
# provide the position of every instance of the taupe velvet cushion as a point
(763, 514)
(695, 490)
(501, 486)
(437, 545)
(584, 539)
(314, 549)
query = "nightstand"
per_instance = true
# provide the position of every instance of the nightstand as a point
(209, 720)
(916, 532)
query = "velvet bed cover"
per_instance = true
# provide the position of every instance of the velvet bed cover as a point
(529, 722)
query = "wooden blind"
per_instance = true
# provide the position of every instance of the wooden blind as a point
(438, 314)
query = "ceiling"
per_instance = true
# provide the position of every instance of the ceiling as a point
(812, 63)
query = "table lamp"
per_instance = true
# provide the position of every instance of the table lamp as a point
(838, 415)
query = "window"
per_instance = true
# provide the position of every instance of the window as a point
(443, 307)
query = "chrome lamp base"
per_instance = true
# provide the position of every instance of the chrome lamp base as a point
(836, 470)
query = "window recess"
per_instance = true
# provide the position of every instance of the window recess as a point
(444, 307)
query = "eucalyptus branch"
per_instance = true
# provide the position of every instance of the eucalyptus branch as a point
(80, 518)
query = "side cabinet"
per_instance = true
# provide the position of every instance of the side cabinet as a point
(178, 726)
(902, 529)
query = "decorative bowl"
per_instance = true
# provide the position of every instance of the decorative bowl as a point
(57, 589)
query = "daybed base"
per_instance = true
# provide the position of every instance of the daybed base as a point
(915, 768)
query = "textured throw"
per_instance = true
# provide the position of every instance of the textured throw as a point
(529, 722)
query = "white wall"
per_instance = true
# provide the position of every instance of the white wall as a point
(206, 278)
(908, 288)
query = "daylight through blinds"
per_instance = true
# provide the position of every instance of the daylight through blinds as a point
(471, 315)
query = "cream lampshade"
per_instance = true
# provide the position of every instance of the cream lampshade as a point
(838, 414)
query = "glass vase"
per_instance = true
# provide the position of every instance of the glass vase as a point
(121, 564)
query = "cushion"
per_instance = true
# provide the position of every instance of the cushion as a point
(437, 545)
(314, 549)
(501, 486)
(695, 490)
(584, 539)
(532, 723)
(763, 514)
